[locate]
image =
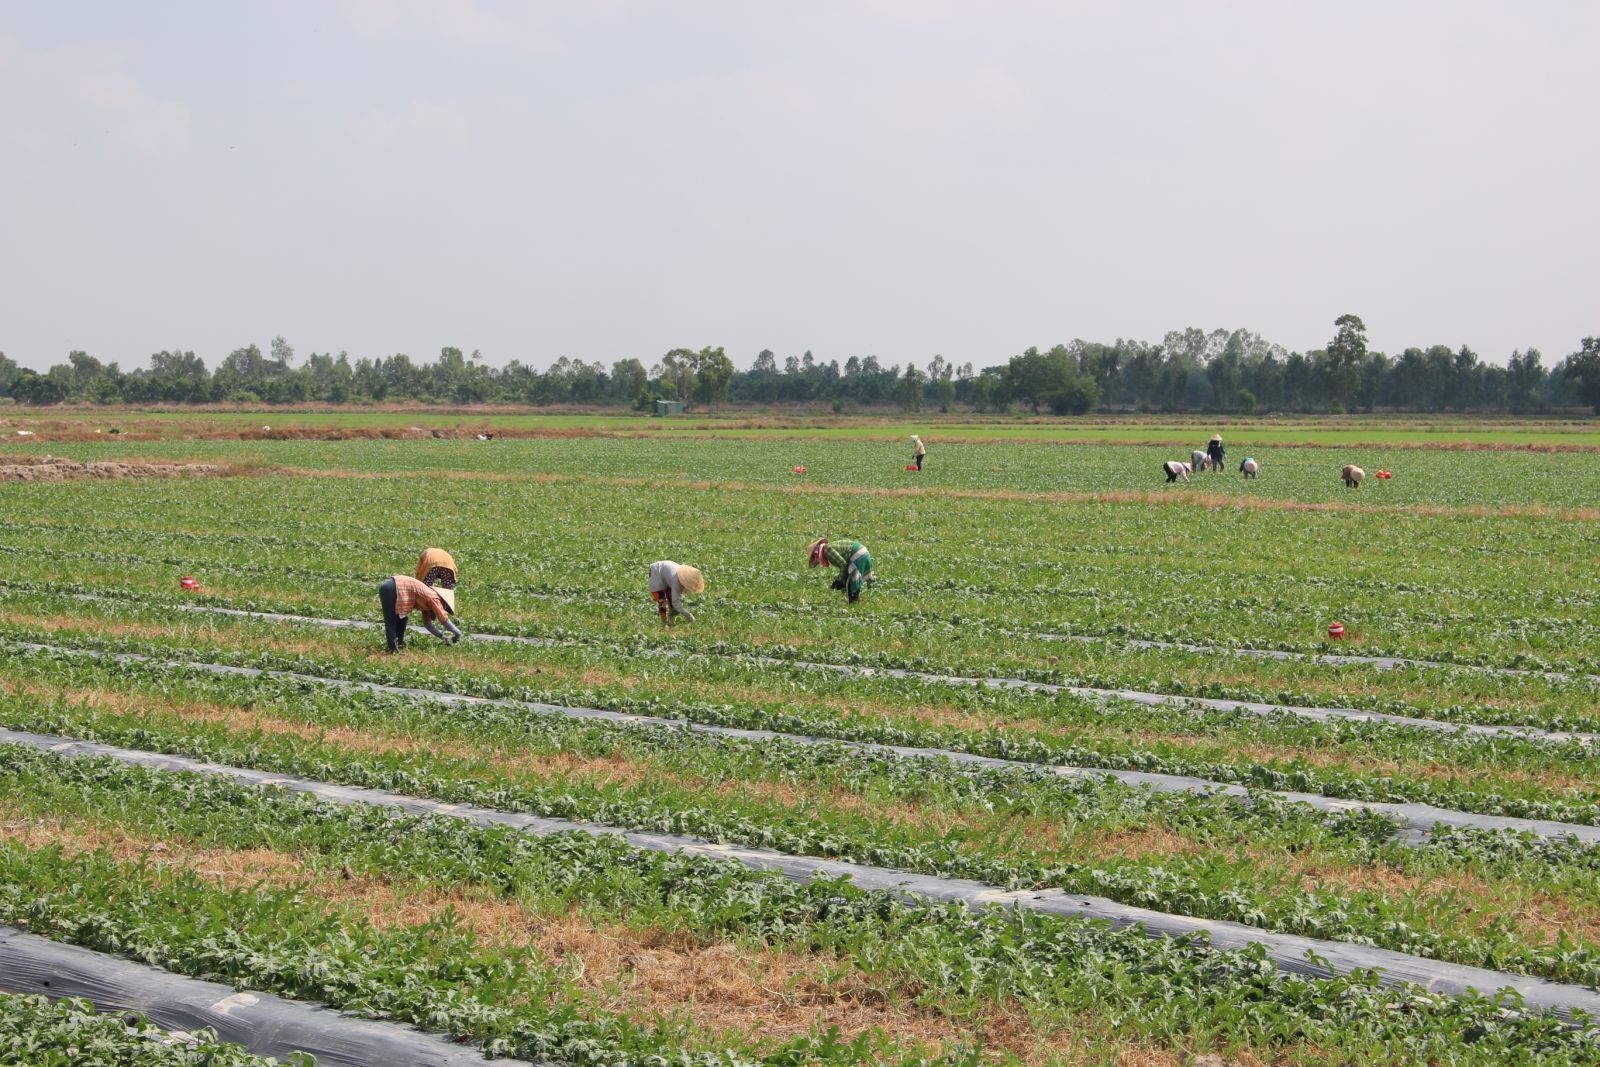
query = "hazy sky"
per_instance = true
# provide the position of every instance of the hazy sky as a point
(602, 179)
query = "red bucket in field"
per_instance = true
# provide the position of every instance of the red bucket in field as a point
(190, 584)
(1336, 631)
(799, 470)
(912, 467)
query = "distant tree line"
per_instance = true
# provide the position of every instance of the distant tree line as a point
(1189, 370)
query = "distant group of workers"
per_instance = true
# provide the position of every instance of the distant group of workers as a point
(1250, 467)
(1211, 458)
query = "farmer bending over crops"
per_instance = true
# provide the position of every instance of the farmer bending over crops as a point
(1198, 460)
(854, 563)
(1352, 475)
(1215, 453)
(436, 567)
(1249, 467)
(398, 595)
(918, 450)
(668, 582)
(1174, 468)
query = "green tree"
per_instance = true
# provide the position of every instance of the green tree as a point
(1031, 377)
(909, 391)
(1526, 376)
(713, 370)
(1077, 395)
(629, 380)
(1343, 359)
(1349, 344)
(282, 360)
(31, 387)
(241, 371)
(1583, 373)
(1052, 379)
(675, 372)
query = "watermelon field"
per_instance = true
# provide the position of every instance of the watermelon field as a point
(1082, 778)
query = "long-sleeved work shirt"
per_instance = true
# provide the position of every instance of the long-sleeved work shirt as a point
(664, 579)
(411, 594)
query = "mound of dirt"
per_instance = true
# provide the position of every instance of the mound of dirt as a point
(55, 469)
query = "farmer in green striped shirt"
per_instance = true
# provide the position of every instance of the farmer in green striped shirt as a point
(854, 563)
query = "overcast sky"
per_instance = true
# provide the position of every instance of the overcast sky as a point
(602, 179)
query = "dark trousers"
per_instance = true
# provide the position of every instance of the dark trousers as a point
(394, 626)
(919, 461)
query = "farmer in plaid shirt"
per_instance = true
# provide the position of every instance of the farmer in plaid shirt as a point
(400, 594)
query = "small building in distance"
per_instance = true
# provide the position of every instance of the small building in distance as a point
(669, 407)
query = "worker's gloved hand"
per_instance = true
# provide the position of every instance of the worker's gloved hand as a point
(456, 638)
(838, 583)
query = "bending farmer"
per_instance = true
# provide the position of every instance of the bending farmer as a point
(436, 567)
(668, 582)
(854, 563)
(400, 594)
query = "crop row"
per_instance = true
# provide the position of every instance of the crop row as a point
(39, 1032)
(1360, 760)
(1455, 724)
(964, 823)
(440, 976)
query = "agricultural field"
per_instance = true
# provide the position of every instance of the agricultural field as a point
(1081, 779)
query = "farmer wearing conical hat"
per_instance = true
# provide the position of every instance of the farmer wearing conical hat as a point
(1249, 467)
(854, 563)
(400, 594)
(669, 581)
(436, 567)
(1215, 452)
(918, 450)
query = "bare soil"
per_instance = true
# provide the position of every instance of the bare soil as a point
(58, 469)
